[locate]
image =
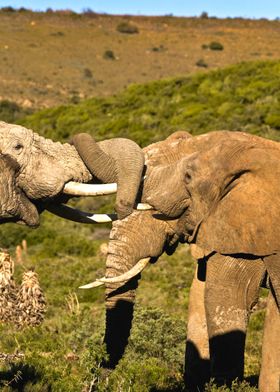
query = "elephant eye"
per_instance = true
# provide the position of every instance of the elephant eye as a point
(188, 178)
(18, 147)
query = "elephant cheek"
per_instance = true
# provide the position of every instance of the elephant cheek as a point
(42, 183)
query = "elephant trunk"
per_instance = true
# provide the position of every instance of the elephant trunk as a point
(115, 160)
(125, 250)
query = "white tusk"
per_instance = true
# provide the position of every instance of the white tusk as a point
(78, 189)
(144, 207)
(80, 216)
(92, 285)
(121, 278)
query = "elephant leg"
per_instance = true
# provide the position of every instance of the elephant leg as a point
(272, 264)
(197, 359)
(270, 371)
(232, 287)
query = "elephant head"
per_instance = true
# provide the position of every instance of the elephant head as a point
(14, 205)
(216, 191)
(46, 166)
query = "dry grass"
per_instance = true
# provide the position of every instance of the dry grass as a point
(43, 57)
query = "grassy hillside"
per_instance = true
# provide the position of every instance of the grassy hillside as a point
(65, 353)
(47, 59)
(241, 97)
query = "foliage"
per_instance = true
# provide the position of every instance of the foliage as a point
(201, 63)
(109, 55)
(243, 97)
(11, 112)
(214, 45)
(127, 28)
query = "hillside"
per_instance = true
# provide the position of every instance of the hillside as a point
(47, 59)
(240, 97)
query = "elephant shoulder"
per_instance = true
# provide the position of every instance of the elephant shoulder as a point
(246, 220)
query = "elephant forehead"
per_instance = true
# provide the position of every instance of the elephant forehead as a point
(9, 133)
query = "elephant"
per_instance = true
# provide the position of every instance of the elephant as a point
(219, 193)
(46, 166)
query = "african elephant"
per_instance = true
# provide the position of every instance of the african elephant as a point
(219, 193)
(46, 166)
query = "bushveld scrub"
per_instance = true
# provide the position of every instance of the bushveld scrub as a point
(65, 353)
(11, 112)
(243, 97)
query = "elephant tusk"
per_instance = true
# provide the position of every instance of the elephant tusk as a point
(144, 207)
(78, 189)
(121, 278)
(80, 216)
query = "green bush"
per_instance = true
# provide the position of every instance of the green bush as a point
(242, 97)
(11, 111)
(201, 63)
(214, 45)
(109, 55)
(127, 28)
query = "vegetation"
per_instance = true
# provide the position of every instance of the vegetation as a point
(127, 28)
(12, 112)
(64, 43)
(201, 63)
(66, 352)
(243, 97)
(214, 45)
(109, 55)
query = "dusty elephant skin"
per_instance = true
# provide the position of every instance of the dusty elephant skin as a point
(220, 193)
(46, 166)
(14, 205)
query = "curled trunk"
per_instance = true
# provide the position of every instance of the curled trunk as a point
(115, 160)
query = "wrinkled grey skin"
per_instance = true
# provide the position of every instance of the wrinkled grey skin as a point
(45, 166)
(14, 205)
(220, 193)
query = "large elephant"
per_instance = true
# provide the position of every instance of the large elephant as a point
(46, 166)
(220, 193)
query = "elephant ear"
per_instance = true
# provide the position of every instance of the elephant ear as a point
(236, 187)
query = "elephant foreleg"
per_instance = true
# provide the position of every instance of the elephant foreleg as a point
(232, 286)
(270, 371)
(197, 360)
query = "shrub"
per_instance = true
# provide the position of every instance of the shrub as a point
(109, 55)
(201, 63)
(159, 48)
(127, 28)
(8, 9)
(89, 12)
(11, 111)
(214, 45)
(204, 46)
(87, 73)
(23, 9)
(204, 15)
